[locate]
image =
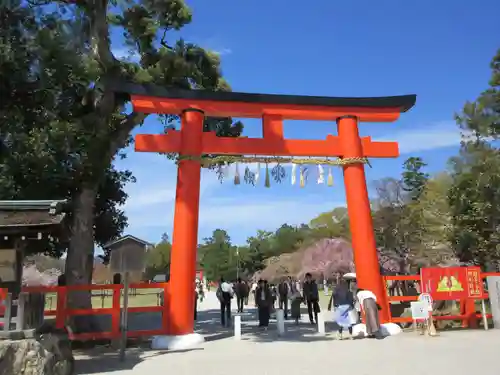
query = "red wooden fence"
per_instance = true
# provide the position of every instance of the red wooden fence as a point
(62, 313)
(467, 315)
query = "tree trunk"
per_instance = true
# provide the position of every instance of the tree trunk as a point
(80, 257)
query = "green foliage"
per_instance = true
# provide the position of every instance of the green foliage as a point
(42, 142)
(414, 179)
(60, 126)
(428, 220)
(331, 224)
(482, 117)
(475, 201)
(218, 257)
(474, 195)
(158, 259)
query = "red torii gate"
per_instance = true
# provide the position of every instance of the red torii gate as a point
(191, 141)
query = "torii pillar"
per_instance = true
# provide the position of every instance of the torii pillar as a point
(191, 143)
(360, 216)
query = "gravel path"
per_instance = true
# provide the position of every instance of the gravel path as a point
(301, 351)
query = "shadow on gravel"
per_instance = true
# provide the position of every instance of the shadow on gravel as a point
(209, 325)
(106, 359)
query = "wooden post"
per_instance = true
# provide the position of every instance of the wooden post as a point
(164, 314)
(62, 296)
(470, 311)
(8, 312)
(483, 313)
(115, 316)
(124, 317)
(21, 304)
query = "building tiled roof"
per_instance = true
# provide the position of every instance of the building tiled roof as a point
(127, 237)
(32, 213)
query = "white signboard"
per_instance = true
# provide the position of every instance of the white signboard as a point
(427, 299)
(419, 310)
(494, 293)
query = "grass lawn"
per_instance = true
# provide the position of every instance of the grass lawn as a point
(146, 297)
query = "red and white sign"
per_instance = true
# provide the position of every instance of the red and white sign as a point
(452, 283)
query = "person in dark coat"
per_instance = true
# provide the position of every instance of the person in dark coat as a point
(241, 291)
(263, 300)
(196, 304)
(248, 293)
(311, 298)
(283, 294)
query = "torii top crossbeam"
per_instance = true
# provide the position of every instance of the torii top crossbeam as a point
(273, 109)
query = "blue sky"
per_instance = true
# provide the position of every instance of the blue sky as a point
(439, 50)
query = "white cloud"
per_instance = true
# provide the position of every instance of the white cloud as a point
(238, 216)
(223, 51)
(262, 212)
(425, 138)
(140, 200)
(213, 43)
(156, 183)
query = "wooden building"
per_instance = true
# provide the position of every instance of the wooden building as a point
(24, 226)
(134, 252)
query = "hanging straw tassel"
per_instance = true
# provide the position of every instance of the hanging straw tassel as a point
(330, 177)
(267, 183)
(294, 174)
(237, 175)
(257, 173)
(302, 178)
(321, 175)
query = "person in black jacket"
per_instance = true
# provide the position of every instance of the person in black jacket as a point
(263, 300)
(195, 304)
(311, 298)
(241, 291)
(283, 292)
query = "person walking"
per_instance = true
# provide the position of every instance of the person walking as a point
(241, 293)
(370, 308)
(196, 296)
(311, 298)
(224, 294)
(295, 302)
(342, 300)
(247, 285)
(253, 289)
(263, 300)
(274, 295)
(283, 293)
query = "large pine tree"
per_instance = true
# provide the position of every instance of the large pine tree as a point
(61, 128)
